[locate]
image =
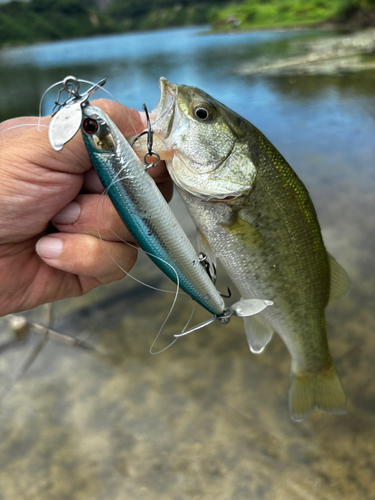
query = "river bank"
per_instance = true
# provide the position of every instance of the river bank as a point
(301, 14)
(323, 56)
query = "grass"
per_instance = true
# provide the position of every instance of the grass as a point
(257, 14)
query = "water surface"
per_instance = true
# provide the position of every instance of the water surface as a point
(206, 419)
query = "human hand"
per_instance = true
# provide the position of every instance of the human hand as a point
(38, 186)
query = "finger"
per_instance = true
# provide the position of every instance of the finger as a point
(159, 173)
(95, 214)
(91, 182)
(128, 120)
(87, 256)
(73, 158)
(166, 189)
(92, 214)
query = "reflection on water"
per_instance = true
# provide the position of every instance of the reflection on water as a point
(206, 419)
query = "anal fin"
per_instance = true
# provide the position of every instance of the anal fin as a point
(340, 283)
(258, 333)
(309, 390)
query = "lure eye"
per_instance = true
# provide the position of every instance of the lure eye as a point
(90, 126)
(203, 112)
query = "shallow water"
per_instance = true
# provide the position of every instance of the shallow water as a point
(206, 419)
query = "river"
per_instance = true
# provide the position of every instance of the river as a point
(206, 419)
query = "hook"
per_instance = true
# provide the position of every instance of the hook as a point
(71, 86)
(206, 264)
(226, 296)
(150, 142)
(212, 274)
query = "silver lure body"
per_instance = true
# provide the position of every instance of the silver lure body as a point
(144, 210)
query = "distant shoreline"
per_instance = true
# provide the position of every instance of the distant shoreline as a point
(204, 32)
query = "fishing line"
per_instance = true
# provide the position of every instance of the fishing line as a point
(101, 200)
(136, 279)
(26, 125)
(161, 328)
(44, 94)
(40, 112)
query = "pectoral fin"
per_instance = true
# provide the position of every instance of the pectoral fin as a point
(244, 232)
(340, 283)
(258, 333)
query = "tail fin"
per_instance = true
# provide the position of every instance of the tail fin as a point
(309, 390)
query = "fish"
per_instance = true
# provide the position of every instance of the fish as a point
(255, 215)
(144, 210)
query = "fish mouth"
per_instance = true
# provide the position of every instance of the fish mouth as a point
(166, 120)
(167, 92)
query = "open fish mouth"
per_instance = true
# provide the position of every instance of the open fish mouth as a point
(166, 120)
(167, 92)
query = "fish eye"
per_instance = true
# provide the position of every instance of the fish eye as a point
(203, 112)
(90, 126)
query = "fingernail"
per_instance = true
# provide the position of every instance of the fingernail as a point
(68, 214)
(49, 248)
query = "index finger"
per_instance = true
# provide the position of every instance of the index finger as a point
(30, 144)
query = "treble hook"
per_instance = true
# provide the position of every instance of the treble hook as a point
(71, 86)
(226, 296)
(150, 141)
(212, 274)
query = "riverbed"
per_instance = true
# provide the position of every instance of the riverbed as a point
(205, 419)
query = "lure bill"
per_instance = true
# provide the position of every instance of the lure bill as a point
(139, 202)
(255, 215)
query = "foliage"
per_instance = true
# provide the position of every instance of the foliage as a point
(41, 20)
(277, 13)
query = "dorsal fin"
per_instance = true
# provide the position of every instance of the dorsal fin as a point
(340, 283)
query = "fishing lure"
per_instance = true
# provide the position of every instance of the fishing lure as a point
(138, 201)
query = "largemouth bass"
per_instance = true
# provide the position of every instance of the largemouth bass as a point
(255, 215)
